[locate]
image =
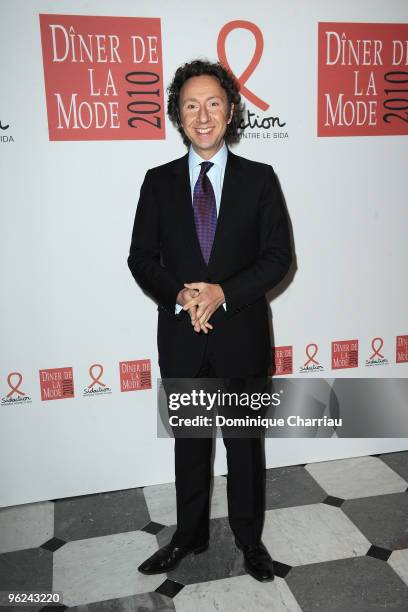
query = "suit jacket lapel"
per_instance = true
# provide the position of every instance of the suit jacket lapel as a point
(229, 198)
(185, 212)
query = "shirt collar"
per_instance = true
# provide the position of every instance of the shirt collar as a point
(220, 158)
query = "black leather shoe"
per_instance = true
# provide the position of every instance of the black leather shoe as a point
(257, 561)
(168, 557)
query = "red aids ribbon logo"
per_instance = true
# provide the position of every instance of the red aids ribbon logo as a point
(259, 45)
(377, 350)
(96, 379)
(14, 388)
(311, 357)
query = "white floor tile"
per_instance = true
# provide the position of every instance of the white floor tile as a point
(238, 594)
(102, 568)
(26, 526)
(356, 477)
(311, 534)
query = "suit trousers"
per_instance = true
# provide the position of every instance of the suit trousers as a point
(245, 483)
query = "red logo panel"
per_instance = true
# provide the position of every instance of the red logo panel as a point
(56, 383)
(103, 77)
(282, 360)
(135, 375)
(362, 79)
(402, 349)
(344, 354)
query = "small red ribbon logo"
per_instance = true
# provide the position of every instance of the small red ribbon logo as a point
(311, 357)
(15, 388)
(259, 45)
(96, 379)
(377, 350)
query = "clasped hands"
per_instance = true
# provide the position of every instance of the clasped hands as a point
(201, 300)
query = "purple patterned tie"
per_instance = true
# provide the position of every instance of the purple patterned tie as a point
(205, 211)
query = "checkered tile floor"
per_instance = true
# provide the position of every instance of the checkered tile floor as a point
(337, 531)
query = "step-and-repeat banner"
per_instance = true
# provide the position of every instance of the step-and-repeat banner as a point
(83, 116)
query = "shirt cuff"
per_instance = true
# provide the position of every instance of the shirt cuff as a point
(178, 308)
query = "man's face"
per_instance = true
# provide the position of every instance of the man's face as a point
(204, 113)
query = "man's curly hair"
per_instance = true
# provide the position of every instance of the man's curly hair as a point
(227, 81)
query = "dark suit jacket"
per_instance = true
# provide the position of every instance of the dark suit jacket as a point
(251, 254)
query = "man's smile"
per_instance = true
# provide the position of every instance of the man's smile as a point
(204, 130)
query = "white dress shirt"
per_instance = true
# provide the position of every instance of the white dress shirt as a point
(215, 173)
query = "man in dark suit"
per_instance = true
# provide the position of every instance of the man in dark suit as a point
(210, 238)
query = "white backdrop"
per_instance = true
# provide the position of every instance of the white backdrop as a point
(68, 298)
